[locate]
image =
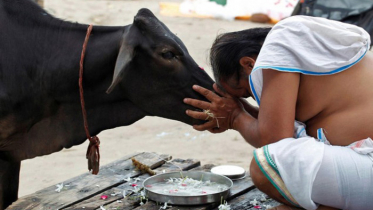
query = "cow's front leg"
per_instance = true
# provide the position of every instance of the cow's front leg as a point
(9, 180)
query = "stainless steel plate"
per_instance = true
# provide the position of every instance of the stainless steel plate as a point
(188, 200)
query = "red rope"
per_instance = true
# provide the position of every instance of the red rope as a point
(93, 151)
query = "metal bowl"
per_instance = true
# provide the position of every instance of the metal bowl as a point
(188, 200)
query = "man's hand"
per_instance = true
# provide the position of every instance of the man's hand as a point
(221, 111)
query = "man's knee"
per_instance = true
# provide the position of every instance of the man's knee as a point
(263, 184)
(257, 176)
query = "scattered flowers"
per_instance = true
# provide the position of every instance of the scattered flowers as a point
(137, 194)
(104, 197)
(124, 193)
(59, 187)
(254, 202)
(165, 206)
(263, 198)
(136, 179)
(224, 206)
(136, 189)
(142, 198)
(257, 204)
(267, 206)
(134, 185)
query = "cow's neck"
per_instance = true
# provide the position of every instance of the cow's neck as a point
(53, 47)
(99, 62)
(48, 117)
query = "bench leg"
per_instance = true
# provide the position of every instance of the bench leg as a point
(9, 181)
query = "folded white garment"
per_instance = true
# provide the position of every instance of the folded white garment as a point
(308, 172)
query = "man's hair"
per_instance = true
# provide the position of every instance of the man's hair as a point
(229, 48)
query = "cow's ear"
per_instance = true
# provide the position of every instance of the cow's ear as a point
(121, 66)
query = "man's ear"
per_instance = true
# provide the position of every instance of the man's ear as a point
(122, 65)
(247, 64)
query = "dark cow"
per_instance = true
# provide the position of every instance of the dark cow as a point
(147, 68)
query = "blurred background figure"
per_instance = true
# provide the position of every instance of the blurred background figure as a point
(357, 12)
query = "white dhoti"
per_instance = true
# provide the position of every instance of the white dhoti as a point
(308, 172)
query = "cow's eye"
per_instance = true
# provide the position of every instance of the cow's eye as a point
(168, 55)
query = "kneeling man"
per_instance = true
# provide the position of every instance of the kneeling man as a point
(312, 79)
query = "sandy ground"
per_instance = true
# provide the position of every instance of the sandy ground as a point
(152, 134)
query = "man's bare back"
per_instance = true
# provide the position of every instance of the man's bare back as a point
(341, 104)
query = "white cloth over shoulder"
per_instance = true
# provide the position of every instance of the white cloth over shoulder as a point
(309, 45)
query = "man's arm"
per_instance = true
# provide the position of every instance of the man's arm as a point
(276, 116)
(277, 110)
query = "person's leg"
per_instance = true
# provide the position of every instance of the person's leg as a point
(264, 185)
(266, 176)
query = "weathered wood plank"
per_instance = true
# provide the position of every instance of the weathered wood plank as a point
(87, 185)
(111, 203)
(243, 202)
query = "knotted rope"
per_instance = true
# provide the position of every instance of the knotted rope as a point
(93, 151)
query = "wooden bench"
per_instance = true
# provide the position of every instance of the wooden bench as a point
(84, 192)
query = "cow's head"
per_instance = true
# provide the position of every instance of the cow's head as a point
(155, 71)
